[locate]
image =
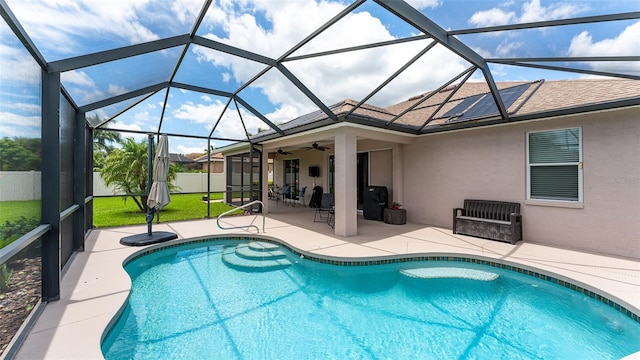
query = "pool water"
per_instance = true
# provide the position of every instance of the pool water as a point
(186, 303)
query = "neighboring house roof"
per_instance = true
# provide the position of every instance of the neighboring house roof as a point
(180, 159)
(471, 104)
(205, 157)
(194, 156)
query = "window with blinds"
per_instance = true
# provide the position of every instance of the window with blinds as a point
(554, 165)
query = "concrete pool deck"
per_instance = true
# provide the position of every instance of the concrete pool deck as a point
(95, 286)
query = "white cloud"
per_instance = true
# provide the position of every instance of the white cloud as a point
(23, 68)
(13, 119)
(24, 108)
(423, 4)
(507, 48)
(530, 12)
(12, 131)
(141, 116)
(208, 114)
(331, 78)
(534, 11)
(185, 11)
(77, 77)
(114, 89)
(199, 113)
(282, 114)
(231, 127)
(62, 26)
(625, 44)
(133, 127)
(492, 17)
(183, 149)
(508, 13)
(88, 95)
(123, 126)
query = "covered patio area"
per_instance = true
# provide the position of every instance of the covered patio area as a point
(95, 285)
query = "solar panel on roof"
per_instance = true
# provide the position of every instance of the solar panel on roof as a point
(510, 95)
(486, 106)
(462, 106)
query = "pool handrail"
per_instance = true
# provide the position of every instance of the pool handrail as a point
(242, 226)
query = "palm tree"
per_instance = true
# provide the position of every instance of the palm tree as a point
(126, 169)
(104, 141)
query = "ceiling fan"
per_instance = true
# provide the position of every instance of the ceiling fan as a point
(315, 146)
(282, 152)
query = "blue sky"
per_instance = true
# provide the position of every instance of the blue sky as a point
(67, 28)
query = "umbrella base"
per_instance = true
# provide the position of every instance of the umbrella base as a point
(146, 239)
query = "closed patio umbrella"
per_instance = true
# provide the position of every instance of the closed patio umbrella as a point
(158, 196)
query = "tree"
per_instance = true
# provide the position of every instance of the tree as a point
(20, 154)
(104, 142)
(126, 170)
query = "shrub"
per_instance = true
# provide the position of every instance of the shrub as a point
(5, 275)
(12, 230)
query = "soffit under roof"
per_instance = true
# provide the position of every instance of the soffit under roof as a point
(228, 70)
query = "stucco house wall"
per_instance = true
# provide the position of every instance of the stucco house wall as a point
(442, 170)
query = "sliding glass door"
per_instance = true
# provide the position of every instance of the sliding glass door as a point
(362, 172)
(292, 175)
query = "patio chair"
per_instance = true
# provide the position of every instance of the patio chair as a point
(284, 192)
(331, 219)
(300, 199)
(326, 205)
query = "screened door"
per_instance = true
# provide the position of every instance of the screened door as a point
(244, 177)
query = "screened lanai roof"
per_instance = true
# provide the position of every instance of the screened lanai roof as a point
(228, 70)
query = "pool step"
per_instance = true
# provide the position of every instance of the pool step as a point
(258, 250)
(255, 256)
(449, 272)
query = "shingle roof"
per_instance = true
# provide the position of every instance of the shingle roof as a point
(538, 97)
(179, 158)
(541, 96)
(205, 157)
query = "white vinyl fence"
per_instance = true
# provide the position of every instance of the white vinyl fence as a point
(187, 183)
(20, 185)
(26, 185)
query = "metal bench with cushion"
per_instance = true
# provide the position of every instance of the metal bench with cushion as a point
(495, 220)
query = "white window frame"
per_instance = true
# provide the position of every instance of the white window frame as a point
(578, 163)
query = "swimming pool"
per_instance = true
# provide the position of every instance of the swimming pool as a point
(213, 300)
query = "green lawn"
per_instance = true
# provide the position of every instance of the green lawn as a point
(14, 210)
(19, 217)
(113, 211)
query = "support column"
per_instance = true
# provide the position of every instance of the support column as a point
(51, 186)
(398, 180)
(80, 173)
(346, 221)
(264, 159)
